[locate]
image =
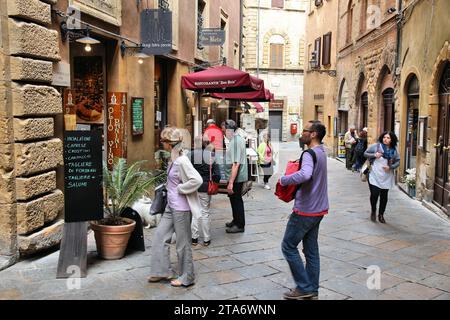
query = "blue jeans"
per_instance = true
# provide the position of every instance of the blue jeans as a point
(306, 229)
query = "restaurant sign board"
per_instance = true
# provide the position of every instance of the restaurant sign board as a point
(212, 37)
(156, 31)
(116, 127)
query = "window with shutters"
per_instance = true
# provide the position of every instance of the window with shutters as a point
(326, 52)
(276, 55)
(317, 49)
(278, 4)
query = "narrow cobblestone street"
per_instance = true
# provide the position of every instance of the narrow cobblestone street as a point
(412, 251)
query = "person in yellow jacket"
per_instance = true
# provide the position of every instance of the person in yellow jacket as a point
(265, 159)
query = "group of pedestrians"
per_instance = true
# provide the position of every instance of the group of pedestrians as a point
(188, 207)
(382, 160)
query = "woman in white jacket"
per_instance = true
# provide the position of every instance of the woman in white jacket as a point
(182, 201)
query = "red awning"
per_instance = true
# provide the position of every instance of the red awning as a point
(256, 96)
(221, 79)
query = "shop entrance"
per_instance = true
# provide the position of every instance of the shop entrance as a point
(276, 123)
(388, 109)
(364, 115)
(411, 123)
(441, 183)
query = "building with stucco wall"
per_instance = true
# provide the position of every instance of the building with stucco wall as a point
(280, 58)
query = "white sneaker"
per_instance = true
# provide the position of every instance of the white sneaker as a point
(267, 187)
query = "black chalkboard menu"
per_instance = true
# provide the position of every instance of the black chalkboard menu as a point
(137, 115)
(83, 176)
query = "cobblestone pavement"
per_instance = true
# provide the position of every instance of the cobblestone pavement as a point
(412, 251)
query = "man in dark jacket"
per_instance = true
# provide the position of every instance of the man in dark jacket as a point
(204, 163)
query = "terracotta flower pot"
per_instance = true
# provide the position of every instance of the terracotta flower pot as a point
(112, 240)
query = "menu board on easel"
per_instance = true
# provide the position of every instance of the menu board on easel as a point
(137, 116)
(116, 127)
(83, 190)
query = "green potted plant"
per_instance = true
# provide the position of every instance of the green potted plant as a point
(410, 179)
(123, 186)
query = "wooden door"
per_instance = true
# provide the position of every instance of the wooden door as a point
(441, 183)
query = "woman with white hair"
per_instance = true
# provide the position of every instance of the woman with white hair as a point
(182, 202)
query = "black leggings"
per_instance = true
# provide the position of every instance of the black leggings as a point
(376, 192)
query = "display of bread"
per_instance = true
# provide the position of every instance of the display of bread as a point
(89, 110)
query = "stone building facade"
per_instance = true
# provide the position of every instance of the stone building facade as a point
(367, 73)
(423, 99)
(281, 60)
(320, 85)
(30, 150)
(38, 63)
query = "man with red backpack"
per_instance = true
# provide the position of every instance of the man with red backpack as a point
(311, 204)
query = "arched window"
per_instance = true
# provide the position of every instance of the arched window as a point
(349, 21)
(276, 43)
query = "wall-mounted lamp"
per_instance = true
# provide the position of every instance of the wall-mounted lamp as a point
(135, 51)
(78, 35)
(87, 40)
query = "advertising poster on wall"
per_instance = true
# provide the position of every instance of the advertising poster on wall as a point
(116, 126)
(137, 116)
(341, 150)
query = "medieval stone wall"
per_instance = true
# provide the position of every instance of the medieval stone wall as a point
(30, 204)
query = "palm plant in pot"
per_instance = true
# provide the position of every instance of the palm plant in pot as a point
(124, 185)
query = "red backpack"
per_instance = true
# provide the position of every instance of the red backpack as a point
(287, 193)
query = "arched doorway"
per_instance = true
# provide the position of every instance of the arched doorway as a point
(364, 117)
(343, 109)
(442, 146)
(412, 119)
(388, 110)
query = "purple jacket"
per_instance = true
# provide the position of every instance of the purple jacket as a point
(311, 198)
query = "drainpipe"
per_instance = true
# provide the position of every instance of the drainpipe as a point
(241, 33)
(257, 41)
(399, 34)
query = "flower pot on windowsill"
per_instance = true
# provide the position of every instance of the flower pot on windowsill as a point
(412, 191)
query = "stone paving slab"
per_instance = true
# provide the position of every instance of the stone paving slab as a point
(412, 250)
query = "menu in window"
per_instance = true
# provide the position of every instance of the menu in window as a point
(137, 116)
(83, 176)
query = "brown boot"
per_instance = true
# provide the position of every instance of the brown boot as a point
(373, 217)
(381, 218)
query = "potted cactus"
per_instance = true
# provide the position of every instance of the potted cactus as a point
(123, 185)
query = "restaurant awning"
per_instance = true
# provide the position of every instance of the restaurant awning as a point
(257, 96)
(221, 79)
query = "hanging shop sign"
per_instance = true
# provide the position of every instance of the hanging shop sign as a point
(212, 37)
(137, 116)
(83, 191)
(116, 127)
(156, 31)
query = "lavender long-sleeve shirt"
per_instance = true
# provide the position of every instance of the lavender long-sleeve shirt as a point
(311, 198)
